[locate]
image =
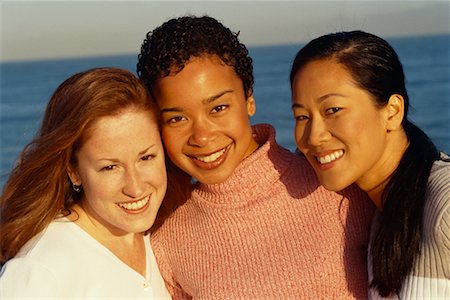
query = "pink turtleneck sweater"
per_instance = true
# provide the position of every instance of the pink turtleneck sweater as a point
(269, 232)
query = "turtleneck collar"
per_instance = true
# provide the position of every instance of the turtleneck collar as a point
(254, 175)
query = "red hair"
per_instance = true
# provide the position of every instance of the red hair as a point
(38, 189)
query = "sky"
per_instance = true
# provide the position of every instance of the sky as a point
(57, 29)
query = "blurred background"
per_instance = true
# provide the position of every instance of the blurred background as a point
(44, 42)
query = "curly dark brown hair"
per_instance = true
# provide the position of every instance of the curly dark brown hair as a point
(169, 47)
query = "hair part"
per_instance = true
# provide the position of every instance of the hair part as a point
(372, 62)
(167, 49)
(38, 188)
(375, 67)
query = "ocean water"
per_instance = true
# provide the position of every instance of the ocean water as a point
(25, 88)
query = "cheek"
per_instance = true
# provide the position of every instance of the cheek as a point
(243, 129)
(172, 141)
(238, 118)
(367, 128)
(99, 187)
(299, 132)
(364, 134)
(349, 130)
(157, 174)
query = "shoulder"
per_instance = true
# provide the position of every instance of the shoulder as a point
(438, 188)
(437, 208)
(52, 240)
(24, 277)
(61, 246)
(170, 229)
(440, 174)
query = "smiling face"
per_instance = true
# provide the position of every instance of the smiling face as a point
(339, 128)
(205, 115)
(121, 169)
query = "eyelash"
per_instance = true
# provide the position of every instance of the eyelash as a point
(219, 108)
(148, 157)
(112, 167)
(329, 111)
(301, 118)
(108, 168)
(332, 110)
(176, 119)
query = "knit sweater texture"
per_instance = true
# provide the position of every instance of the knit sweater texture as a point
(270, 231)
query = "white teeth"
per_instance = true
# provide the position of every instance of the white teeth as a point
(212, 157)
(135, 205)
(330, 157)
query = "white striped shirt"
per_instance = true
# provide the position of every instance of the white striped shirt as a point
(430, 277)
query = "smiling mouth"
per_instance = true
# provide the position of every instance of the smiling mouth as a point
(212, 157)
(330, 157)
(136, 205)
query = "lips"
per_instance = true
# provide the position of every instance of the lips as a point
(211, 157)
(135, 206)
(212, 160)
(330, 157)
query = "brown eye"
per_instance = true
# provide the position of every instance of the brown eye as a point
(176, 119)
(108, 168)
(332, 110)
(301, 118)
(148, 157)
(219, 108)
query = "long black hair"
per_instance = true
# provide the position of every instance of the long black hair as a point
(376, 68)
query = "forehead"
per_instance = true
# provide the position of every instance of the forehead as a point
(120, 127)
(201, 78)
(322, 67)
(321, 74)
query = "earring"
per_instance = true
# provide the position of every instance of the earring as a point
(76, 188)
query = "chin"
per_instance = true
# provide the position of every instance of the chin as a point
(141, 227)
(333, 185)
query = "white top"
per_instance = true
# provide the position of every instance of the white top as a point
(66, 262)
(430, 277)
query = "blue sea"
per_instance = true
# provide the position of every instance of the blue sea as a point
(27, 86)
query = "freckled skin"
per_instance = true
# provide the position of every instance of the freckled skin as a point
(122, 161)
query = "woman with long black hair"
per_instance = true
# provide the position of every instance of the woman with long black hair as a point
(350, 106)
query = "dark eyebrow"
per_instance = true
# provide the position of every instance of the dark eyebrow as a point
(215, 97)
(320, 99)
(205, 101)
(171, 109)
(324, 97)
(296, 105)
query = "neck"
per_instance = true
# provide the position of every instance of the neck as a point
(376, 179)
(129, 247)
(252, 148)
(83, 217)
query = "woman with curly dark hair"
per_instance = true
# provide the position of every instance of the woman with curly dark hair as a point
(350, 105)
(257, 224)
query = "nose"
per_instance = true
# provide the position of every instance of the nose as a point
(133, 185)
(201, 134)
(317, 133)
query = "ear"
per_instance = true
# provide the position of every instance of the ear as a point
(251, 106)
(394, 112)
(73, 175)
